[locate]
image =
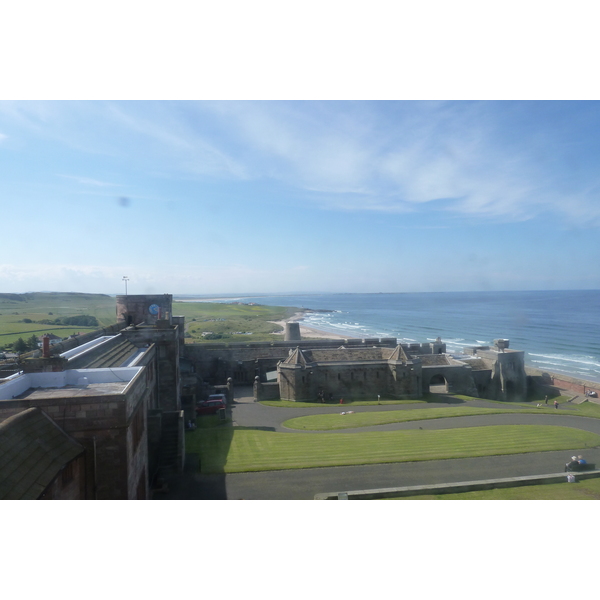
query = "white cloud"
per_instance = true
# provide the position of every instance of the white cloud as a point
(144, 280)
(377, 157)
(355, 156)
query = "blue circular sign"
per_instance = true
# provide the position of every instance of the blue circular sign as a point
(153, 309)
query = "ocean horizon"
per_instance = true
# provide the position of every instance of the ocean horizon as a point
(558, 330)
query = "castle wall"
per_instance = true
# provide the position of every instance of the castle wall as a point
(266, 391)
(578, 386)
(459, 379)
(168, 381)
(242, 362)
(350, 381)
(508, 381)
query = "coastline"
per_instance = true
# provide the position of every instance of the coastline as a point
(308, 332)
(562, 380)
(549, 341)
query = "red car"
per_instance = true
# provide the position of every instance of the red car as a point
(210, 406)
(218, 397)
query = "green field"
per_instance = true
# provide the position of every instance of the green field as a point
(226, 322)
(229, 449)
(347, 403)
(231, 322)
(369, 419)
(586, 489)
(41, 305)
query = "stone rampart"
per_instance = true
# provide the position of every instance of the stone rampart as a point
(543, 378)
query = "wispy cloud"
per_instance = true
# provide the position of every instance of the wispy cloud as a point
(481, 160)
(356, 156)
(176, 138)
(89, 181)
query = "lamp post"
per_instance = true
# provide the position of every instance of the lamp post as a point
(125, 279)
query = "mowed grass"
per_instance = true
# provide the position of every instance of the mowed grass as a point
(335, 421)
(290, 404)
(237, 449)
(586, 489)
(368, 419)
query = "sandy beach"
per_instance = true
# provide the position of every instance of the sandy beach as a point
(308, 332)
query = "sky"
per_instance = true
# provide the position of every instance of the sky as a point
(208, 197)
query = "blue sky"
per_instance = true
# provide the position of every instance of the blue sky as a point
(209, 197)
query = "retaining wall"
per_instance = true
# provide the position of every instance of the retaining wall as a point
(453, 488)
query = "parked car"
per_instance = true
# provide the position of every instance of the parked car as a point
(210, 406)
(218, 397)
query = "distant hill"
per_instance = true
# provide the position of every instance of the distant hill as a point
(24, 314)
(44, 297)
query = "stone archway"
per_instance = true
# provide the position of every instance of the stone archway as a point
(438, 384)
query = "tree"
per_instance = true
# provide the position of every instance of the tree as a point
(20, 346)
(32, 343)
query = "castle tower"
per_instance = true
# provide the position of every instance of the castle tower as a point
(292, 332)
(136, 309)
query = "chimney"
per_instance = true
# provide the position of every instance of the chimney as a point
(46, 346)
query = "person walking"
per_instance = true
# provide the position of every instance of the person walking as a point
(556, 404)
(546, 399)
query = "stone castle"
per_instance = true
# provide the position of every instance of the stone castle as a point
(103, 415)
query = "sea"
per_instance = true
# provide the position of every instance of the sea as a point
(559, 331)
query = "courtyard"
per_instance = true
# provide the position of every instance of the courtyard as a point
(258, 455)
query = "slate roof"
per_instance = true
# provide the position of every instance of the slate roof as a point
(477, 364)
(428, 360)
(33, 450)
(109, 355)
(324, 355)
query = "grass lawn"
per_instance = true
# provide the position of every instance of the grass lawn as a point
(289, 404)
(427, 398)
(586, 489)
(232, 322)
(368, 419)
(236, 449)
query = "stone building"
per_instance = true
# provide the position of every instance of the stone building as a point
(349, 373)
(362, 368)
(116, 393)
(404, 372)
(39, 460)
